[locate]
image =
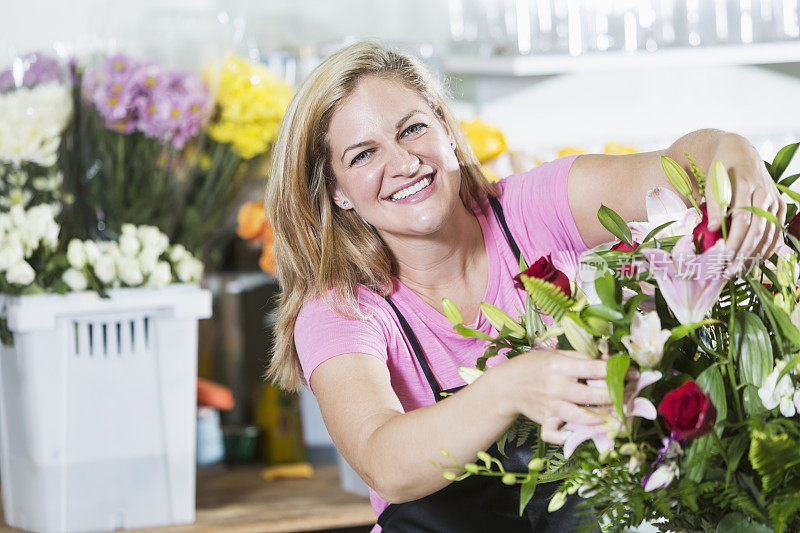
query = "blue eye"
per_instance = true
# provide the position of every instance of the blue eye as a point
(415, 127)
(359, 157)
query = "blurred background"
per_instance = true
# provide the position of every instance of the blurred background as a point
(530, 79)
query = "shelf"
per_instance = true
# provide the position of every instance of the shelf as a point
(546, 64)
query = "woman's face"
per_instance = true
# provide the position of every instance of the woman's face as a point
(393, 159)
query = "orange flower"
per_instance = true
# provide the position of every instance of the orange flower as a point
(267, 260)
(252, 223)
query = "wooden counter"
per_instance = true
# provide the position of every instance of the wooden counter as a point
(238, 500)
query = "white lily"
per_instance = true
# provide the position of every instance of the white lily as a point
(661, 477)
(774, 393)
(646, 340)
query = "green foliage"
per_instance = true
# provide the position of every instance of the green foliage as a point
(550, 299)
(771, 456)
(782, 160)
(615, 224)
(697, 171)
(616, 367)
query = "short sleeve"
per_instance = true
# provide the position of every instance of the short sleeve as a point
(537, 208)
(319, 334)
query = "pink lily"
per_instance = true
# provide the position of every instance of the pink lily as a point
(690, 283)
(664, 206)
(603, 435)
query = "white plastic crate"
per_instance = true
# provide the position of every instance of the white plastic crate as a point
(97, 411)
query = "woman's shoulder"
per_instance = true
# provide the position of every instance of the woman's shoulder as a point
(328, 307)
(548, 174)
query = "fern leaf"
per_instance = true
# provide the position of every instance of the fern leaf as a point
(772, 457)
(550, 298)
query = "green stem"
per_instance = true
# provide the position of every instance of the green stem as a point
(719, 445)
(722, 209)
(729, 365)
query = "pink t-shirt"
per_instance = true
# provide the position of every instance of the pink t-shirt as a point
(538, 215)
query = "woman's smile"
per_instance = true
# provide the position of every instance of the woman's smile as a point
(416, 191)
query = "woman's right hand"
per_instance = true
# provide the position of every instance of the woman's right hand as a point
(544, 386)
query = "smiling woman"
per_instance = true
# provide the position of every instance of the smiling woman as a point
(380, 211)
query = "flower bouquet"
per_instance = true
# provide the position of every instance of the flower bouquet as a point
(136, 122)
(35, 111)
(704, 433)
(249, 107)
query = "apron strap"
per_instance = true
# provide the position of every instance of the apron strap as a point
(409, 333)
(415, 345)
(498, 210)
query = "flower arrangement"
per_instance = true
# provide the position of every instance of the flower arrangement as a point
(137, 119)
(250, 103)
(35, 110)
(703, 367)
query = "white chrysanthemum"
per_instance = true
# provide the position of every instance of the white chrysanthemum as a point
(21, 274)
(11, 253)
(148, 258)
(105, 269)
(75, 280)
(41, 225)
(6, 224)
(91, 251)
(32, 123)
(177, 253)
(161, 275)
(152, 239)
(129, 271)
(189, 270)
(76, 254)
(129, 245)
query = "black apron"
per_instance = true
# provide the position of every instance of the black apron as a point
(478, 504)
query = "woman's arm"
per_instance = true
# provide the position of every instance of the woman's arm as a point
(392, 450)
(621, 183)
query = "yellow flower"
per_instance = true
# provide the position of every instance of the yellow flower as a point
(616, 148)
(491, 176)
(251, 103)
(569, 150)
(487, 141)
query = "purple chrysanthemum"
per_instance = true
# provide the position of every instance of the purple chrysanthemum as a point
(31, 70)
(167, 105)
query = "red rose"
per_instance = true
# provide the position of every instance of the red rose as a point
(794, 227)
(629, 269)
(702, 236)
(544, 269)
(687, 411)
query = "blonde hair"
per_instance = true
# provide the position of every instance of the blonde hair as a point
(321, 250)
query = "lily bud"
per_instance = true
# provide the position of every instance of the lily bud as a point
(721, 184)
(472, 468)
(537, 464)
(557, 502)
(469, 374)
(509, 479)
(677, 176)
(628, 448)
(499, 319)
(579, 338)
(451, 312)
(788, 270)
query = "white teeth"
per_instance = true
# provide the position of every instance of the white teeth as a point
(413, 189)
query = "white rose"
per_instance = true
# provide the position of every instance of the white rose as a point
(92, 252)
(11, 253)
(152, 238)
(129, 244)
(39, 221)
(105, 269)
(128, 228)
(161, 275)
(177, 253)
(189, 269)
(110, 249)
(129, 272)
(75, 280)
(21, 274)
(76, 254)
(148, 259)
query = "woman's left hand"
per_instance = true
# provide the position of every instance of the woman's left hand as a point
(751, 238)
